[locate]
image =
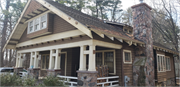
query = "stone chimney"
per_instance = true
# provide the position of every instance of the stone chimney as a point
(142, 30)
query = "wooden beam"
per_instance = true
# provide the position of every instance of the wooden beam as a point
(135, 44)
(121, 40)
(11, 43)
(100, 34)
(112, 38)
(129, 42)
(34, 13)
(39, 10)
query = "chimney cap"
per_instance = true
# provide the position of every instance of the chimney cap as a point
(141, 4)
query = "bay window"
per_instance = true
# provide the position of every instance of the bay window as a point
(106, 57)
(37, 24)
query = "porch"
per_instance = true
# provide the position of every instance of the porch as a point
(67, 59)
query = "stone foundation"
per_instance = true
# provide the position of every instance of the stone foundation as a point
(34, 73)
(17, 70)
(54, 72)
(87, 78)
(170, 82)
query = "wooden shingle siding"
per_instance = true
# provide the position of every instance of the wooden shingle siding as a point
(118, 65)
(128, 68)
(60, 25)
(33, 5)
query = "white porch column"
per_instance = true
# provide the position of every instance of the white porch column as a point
(31, 60)
(51, 62)
(92, 56)
(82, 63)
(36, 59)
(19, 60)
(58, 59)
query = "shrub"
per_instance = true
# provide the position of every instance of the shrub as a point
(52, 81)
(10, 80)
(29, 82)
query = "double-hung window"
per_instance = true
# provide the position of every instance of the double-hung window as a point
(127, 57)
(168, 64)
(161, 63)
(106, 57)
(31, 29)
(43, 21)
(37, 24)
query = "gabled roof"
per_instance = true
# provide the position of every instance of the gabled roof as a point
(81, 21)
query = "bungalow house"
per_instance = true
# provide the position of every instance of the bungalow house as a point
(62, 40)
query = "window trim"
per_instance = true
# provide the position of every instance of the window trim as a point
(34, 24)
(169, 62)
(160, 64)
(114, 53)
(124, 56)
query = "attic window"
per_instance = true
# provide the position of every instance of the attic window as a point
(37, 24)
(125, 30)
(130, 31)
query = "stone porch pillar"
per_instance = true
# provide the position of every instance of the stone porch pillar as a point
(87, 78)
(18, 67)
(34, 69)
(54, 63)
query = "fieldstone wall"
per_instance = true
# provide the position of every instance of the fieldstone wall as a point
(87, 78)
(54, 72)
(143, 31)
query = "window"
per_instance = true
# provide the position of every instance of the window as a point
(161, 63)
(168, 64)
(127, 56)
(43, 21)
(37, 24)
(106, 58)
(45, 61)
(30, 26)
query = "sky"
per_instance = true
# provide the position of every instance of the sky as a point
(128, 3)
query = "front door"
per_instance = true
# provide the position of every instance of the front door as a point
(63, 64)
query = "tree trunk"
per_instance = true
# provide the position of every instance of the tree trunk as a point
(4, 32)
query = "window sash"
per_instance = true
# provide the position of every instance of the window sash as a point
(161, 63)
(37, 24)
(127, 57)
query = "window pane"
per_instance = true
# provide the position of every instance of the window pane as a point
(109, 61)
(161, 63)
(99, 58)
(43, 24)
(37, 27)
(164, 64)
(47, 61)
(127, 57)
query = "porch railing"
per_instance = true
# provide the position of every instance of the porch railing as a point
(101, 81)
(72, 81)
(108, 81)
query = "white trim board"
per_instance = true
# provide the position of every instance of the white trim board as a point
(51, 37)
(74, 44)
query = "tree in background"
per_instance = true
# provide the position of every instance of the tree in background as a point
(102, 9)
(165, 23)
(10, 14)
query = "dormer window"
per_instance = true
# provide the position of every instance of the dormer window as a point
(37, 24)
